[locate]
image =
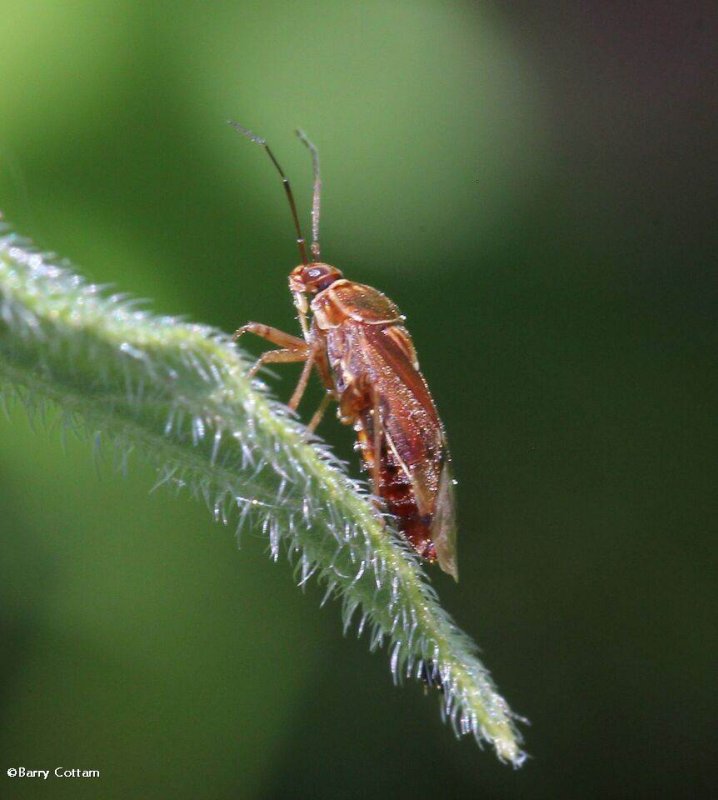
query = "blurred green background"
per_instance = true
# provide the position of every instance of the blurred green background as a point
(534, 184)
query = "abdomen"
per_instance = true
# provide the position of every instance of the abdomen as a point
(374, 373)
(396, 489)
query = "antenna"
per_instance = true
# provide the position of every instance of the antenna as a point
(316, 194)
(301, 242)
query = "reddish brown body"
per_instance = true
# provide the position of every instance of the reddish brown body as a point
(378, 383)
(356, 339)
(365, 358)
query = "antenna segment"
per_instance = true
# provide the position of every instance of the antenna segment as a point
(301, 242)
(316, 194)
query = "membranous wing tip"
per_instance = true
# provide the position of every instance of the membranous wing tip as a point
(443, 526)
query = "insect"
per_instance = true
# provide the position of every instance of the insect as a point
(354, 337)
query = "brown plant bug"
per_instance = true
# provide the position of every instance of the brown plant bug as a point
(354, 337)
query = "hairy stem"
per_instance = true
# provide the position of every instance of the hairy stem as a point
(177, 393)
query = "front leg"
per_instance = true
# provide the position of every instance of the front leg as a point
(292, 347)
(284, 340)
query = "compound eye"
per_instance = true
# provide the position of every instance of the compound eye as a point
(315, 272)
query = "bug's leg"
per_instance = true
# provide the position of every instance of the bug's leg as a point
(310, 357)
(278, 357)
(319, 413)
(378, 436)
(292, 347)
(284, 340)
(322, 365)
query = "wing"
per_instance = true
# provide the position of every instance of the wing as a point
(386, 361)
(375, 366)
(362, 303)
(414, 433)
(443, 526)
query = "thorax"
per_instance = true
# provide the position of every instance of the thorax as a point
(348, 302)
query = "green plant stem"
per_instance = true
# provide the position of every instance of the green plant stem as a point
(177, 393)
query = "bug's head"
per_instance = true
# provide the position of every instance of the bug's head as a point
(312, 278)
